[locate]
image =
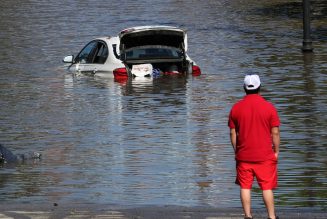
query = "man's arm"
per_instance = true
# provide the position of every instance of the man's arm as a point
(233, 138)
(275, 139)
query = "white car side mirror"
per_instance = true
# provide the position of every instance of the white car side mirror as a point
(68, 59)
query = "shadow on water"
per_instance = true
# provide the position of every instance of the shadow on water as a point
(294, 10)
(291, 10)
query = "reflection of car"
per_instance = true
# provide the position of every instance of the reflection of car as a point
(148, 51)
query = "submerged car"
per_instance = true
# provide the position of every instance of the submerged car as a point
(100, 57)
(145, 51)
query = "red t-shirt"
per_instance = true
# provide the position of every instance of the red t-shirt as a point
(253, 117)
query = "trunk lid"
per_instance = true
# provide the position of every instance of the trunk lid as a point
(153, 35)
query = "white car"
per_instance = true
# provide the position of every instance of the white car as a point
(147, 51)
(100, 57)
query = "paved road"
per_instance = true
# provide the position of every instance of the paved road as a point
(76, 211)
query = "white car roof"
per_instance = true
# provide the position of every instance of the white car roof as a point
(110, 40)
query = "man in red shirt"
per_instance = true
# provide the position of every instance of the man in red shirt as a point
(254, 134)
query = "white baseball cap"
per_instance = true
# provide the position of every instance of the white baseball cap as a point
(252, 82)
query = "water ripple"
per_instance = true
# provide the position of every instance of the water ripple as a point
(161, 142)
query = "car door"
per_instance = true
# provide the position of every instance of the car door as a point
(92, 57)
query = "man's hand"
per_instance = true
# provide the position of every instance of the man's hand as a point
(276, 155)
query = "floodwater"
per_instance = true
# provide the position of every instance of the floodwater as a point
(163, 142)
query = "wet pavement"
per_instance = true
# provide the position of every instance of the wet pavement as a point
(167, 212)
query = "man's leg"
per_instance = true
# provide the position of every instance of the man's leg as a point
(268, 198)
(246, 202)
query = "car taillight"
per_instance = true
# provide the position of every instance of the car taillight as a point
(196, 71)
(120, 75)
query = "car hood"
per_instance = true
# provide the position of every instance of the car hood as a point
(153, 35)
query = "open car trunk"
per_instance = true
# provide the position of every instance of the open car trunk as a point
(161, 47)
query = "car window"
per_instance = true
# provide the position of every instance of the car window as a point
(114, 48)
(101, 53)
(153, 53)
(94, 52)
(85, 55)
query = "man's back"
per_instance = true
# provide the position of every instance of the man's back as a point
(253, 117)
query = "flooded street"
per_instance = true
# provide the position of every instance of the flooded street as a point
(161, 142)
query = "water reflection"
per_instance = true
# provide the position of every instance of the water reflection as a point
(164, 141)
(304, 123)
(167, 85)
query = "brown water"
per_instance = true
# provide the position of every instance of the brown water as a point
(164, 142)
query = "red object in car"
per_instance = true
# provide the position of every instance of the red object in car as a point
(196, 71)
